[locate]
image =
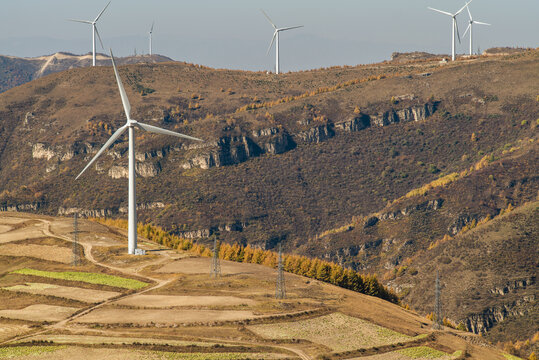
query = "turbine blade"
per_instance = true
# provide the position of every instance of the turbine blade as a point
(80, 21)
(290, 28)
(102, 11)
(457, 26)
(462, 8)
(271, 43)
(467, 29)
(109, 142)
(469, 13)
(125, 100)
(267, 17)
(99, 37)
(157, 130)
(151, 30)
(481, 23)
(440, 11)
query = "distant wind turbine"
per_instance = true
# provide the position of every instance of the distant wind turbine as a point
(94, 30)
(276, 39)
(130, 125)
(470, 28)
(151, 32)
(455, 26)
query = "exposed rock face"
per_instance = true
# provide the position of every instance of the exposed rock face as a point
(142, 169)
(61, 153)
(265, 132)
(414, 113)
(514, 285)
(118, 172)
(481, 323)
(106, 212)
(148, 169)
(279, 144)
(317, 134)
(40, 151)
(427, 205)
(20, 207)
(357, 123)
(85, 212)
(460, 222)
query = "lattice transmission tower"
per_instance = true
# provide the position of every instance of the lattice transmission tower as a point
(280, 291)
(215, 270)
(76, 256)
(438, 321)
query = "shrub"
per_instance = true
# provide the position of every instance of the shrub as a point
(433, 169)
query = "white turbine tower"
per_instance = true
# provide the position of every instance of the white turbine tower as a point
(470, 28)
(455, 27)
(94, 30)
(130, 125)
(151, 32)
(276, 39)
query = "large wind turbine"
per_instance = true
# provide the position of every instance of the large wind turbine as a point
(150, 33)
(94, 30)
(470, 28)
(276, 39)
(455, 27)
(130, 125)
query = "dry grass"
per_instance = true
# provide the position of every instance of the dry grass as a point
(162, 316)
(337, 331)
(50, 253)
(92, 278)
(74, 293)
(39, 312)
(161, 301)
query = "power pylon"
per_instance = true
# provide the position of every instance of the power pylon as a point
(280, 291)
(215, 270)
(438, 322)
(76, 255)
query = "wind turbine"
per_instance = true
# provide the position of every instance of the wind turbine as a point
(130, 125)
(470, 28)
(94, 30)
(151, 32)
(276, 39)
(455, 26)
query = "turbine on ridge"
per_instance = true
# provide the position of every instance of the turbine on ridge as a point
(455, 26)
(470, 28)
(150, 33)
(130, 125)
(276, 39)
(94, 30)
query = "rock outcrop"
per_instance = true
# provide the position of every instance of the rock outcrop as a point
(316, 134)
(488, 318)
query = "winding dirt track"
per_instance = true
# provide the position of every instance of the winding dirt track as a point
(158, 284)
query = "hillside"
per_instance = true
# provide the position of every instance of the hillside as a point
(15, 71)
(166, 306)
(293, 159)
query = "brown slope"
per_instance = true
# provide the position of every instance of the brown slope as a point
(15, 71)
(307, 172)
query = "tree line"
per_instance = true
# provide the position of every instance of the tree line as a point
(313, 268)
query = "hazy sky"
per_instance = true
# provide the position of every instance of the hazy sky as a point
(234, 33)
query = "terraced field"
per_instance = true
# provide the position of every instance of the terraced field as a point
(165, 306)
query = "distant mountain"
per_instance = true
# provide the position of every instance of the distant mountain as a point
(15, 71)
